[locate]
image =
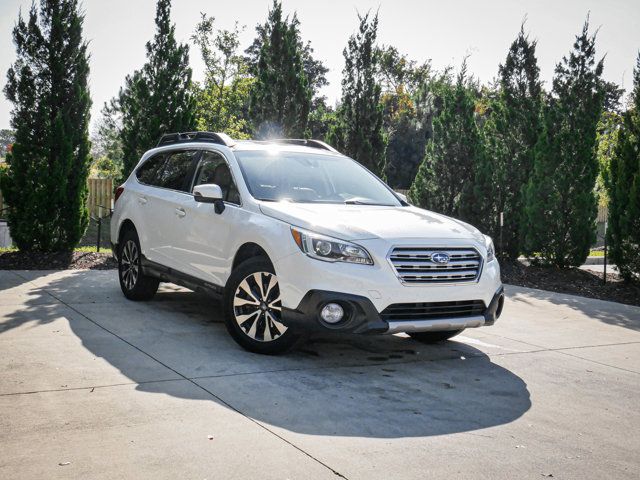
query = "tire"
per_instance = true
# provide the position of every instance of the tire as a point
(434, 337)
(252, 309)
(134, 284)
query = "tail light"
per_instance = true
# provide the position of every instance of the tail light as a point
(119, 191)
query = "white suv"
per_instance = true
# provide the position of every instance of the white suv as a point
(297, 237)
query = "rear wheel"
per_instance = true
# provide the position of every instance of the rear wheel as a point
(134, 284)
(253, 310)
(434, 337)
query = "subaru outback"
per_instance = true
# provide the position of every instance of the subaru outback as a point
(295, 237)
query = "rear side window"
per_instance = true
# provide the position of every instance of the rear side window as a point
(148, 172)
(176, 169)
(167, 170)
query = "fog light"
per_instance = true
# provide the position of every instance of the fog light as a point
(332, 313)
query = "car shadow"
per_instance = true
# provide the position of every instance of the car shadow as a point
(366, 386)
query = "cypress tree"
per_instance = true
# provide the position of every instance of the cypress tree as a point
(447, 172)
(46, 182)
(511, 133)
(561, 205)
(158, 98)
(281, 95)
(358, 131)
(623, 185)
(314, 69)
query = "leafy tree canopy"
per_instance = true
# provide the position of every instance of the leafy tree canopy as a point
(222, 99)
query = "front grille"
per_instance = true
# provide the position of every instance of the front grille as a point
(433, 310)
(414, 264)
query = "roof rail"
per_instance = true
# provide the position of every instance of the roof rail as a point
(305, 142)
(186, 137)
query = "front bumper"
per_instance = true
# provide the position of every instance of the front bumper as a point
(299, 274)
(362, 316)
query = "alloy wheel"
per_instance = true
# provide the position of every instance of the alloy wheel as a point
(257, 307)
(130, 264)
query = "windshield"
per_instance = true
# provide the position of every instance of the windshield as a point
(311, 178)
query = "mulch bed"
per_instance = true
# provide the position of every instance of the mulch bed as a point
(574, 281)
(56, 261)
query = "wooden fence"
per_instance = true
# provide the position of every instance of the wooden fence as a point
(100, 193)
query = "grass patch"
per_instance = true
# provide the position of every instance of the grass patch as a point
(103, 249)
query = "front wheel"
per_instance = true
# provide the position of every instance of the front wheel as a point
(434, 337)
(253, 310)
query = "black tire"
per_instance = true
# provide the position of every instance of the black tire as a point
(252, 317)
(434, 337)
(134, 284)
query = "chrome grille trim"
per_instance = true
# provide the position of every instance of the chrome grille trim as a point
(413, 265)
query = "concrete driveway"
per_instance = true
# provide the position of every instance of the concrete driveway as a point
(95, 386)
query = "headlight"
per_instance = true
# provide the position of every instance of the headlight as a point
(491, 252)
(329, 249)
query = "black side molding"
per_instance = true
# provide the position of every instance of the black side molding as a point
(166, 274)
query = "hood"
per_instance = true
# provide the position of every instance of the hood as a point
(360, 222)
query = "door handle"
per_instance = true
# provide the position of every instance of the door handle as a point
(142, 200)
(180, 212)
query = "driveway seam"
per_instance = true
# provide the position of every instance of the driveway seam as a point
(562, 352)
(91, 387)
(231, 407)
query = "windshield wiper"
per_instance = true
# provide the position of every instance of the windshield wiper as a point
(362, 202)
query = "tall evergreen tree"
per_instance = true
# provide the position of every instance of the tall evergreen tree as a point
(561, 205)
(447, 171)
(511, 132)
(358, 131)
(314, 69)
(158, 98)
(623, 185)
(46, 182)
(281, 95)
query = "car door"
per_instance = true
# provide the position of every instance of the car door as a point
(165, 203)
(146, 192)
(207, 237)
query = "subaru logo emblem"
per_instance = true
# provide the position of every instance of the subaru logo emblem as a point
(440, 257)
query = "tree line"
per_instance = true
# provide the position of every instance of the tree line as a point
(524, 164)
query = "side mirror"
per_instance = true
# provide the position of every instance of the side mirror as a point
(209, 193)
(402, 197)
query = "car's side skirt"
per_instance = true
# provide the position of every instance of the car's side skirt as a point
(167, 274)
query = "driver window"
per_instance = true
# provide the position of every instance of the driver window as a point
(213, 168)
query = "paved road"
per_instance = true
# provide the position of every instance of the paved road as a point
(600, 268)
(94, 386)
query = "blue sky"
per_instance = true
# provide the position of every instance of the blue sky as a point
(441, 31)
